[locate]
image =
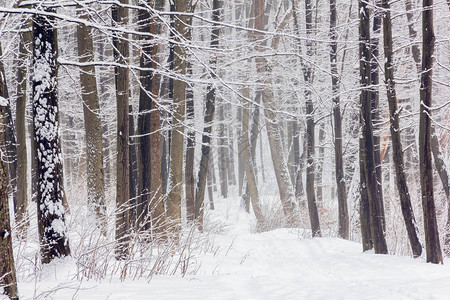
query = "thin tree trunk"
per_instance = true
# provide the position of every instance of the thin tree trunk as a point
(208, 118)
(92, 125)
(343, 216)
(122, 79)
(241, 169)
(375, 99)
(439, 161)
(133, 170)
(179, 98)
(433, 247)
(144, 121)
(319, 173)
(285, 188)
(222, 150)
(50, 209)
(22, 160)
(190, 151)
(367, 144)
(8, 278)
(405, 199)
(209, 184)
(10, 148)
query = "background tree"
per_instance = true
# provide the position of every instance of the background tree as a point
(433, 247)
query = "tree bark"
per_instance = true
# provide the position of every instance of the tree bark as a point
(433, 247)
(50, 193)
(367, 143)
(179, 98)
(375, 100)
(190, 151)
(397, 150)
(10, 148)
(8, 280)
(122, 79)
(343, 217)
(92, 125)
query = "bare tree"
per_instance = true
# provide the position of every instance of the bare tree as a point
(92, 124)
(338, 156)
(50, 208)
(122, 80)
(8, 281)
(397, 150)
(433, 247)
(367, 143)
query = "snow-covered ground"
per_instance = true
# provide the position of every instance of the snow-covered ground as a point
(239, 264)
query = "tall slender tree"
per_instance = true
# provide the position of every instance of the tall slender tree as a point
(208, 118)
(22, 159)
(92, 123)
(50, 208)
(8, 280)
(122, 80)
(338, 155)
(433, 247)
(366, 143)
(397, 151)
(181, 30)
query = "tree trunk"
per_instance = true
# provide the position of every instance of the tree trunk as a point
(320, 160)
(343, 217)
(122, 79)
(375, 99)
(22, 160)
(439, 161)
(405, 199)
(50, 209)
(433, 247)
(285, 188)
(208, 118)
(190, 151)
(144, 120)
(8, 280)
(92, 125)
(133, 169)
(367, 144)
(222, 150)
(179, 98)
(10, 147)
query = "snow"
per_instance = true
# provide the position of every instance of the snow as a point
(279, 264)
(3, 101)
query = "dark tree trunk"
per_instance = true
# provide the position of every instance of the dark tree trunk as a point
(375, 100)
(10, 149)
(397, 150)
(122, 79)
(338, 155)
(144, 120)
(310, 127)
(367, 143)
(50, 208)
(8, 281)
(433, 247)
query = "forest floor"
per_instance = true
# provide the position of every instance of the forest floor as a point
(240, 264)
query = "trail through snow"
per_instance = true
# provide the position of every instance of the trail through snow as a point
(279, 264)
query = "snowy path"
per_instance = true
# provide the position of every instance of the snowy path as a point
(277, 265)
